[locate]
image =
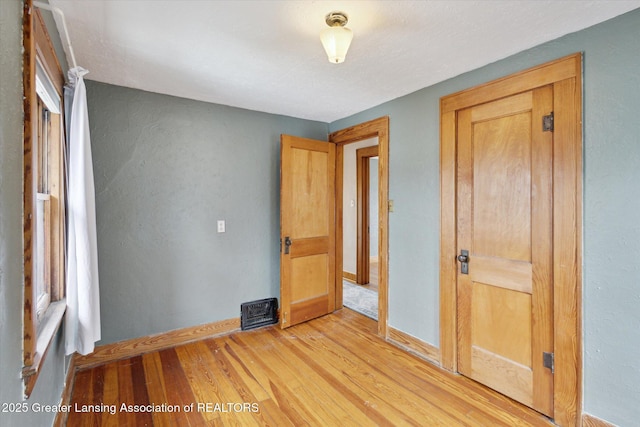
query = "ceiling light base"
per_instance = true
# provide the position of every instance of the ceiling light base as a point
(336, 19)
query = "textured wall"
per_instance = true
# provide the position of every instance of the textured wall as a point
(611, 227)
(166, 169)
(49, 386)
(611, 204)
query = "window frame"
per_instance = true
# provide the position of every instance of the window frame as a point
(42, 318)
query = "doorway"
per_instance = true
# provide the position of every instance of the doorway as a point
(359, 224)
(372, 130)
(311, 223)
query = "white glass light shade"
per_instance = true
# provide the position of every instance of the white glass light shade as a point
(336, 41)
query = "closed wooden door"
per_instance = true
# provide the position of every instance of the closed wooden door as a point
(504, 222)
(307, 227)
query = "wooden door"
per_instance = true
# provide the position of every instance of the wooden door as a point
(504, 221)
(307, 229)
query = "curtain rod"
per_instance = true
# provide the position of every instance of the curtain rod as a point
(46, 6)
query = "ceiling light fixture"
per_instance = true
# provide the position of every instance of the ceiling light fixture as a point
(337, 38)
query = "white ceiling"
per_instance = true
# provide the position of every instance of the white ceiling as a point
(267, 56)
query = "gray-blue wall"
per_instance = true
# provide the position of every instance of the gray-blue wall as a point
(611, 307)
(49, 386)
(166, 169)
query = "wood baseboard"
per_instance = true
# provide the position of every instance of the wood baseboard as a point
(591, 421)
(349, 276)
(414, 345)
(137, 346)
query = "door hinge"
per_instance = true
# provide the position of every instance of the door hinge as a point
(547, 123)
(547, 360)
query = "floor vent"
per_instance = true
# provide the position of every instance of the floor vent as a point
(258, 313)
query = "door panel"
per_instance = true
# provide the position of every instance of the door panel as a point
(504, 220)
(501, 323)
(307, 221)
(310, 270)
(309, 187)
(501, 180)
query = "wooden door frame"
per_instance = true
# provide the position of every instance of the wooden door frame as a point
(362, 196)
(565, 74)
(375, 128)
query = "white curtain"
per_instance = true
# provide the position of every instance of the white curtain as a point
(82, 322)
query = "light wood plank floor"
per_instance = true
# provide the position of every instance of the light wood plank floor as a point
(332, 371)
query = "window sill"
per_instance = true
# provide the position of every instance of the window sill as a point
(48, 328)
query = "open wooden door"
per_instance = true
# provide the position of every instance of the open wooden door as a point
(307, 229)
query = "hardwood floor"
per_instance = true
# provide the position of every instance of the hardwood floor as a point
(332, 371)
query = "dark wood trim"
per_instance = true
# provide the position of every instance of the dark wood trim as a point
(565, 76)
(362, 219)
(375, 128)
(30, 133)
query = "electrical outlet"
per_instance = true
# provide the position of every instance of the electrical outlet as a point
(221, 226)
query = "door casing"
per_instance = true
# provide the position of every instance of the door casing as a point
(375, 128)
(565, 74)
(363, 155)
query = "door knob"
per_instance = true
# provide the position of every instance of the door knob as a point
(464, 261)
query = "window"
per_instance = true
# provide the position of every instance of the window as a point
(44, 259)
(44, 202)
